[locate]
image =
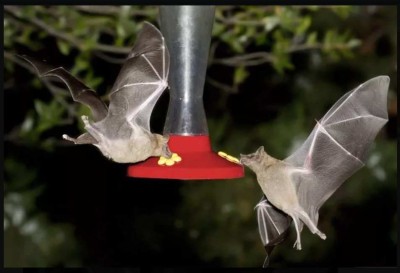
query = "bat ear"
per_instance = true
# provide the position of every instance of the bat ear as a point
(260, 150)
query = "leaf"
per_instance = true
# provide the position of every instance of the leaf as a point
(49, 115)
(342, 11)
(39, 107)
(312, 38)
(237, 46)
(81, 64)
(240, 75)
(280, 48)
(218, 29)
(270, 22)
(352, 43)
(329, 39)
(27, 124)
(20, 174)
(64, 47)
(304, 25)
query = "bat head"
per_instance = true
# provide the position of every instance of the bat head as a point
(254, 159)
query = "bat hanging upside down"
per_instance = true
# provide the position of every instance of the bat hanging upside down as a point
(295, 188)
(122, 130)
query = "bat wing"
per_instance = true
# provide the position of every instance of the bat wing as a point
(273, 226)
(142, 78)
(338, 144)
(79, 91)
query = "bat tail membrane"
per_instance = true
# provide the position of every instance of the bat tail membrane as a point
(79, 91)
(273, 226)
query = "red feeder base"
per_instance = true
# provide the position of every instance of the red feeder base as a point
(198, 162)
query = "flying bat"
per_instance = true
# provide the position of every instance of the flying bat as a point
(121, 130)
(295, 188)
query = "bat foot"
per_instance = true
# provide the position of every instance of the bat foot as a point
(297, 245)
(67, 137)
(321, 235)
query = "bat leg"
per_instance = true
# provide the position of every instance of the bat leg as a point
(82, 139)
(296, 221)
(85, 138)
(306, 220)
(298, 215)
(67, 137)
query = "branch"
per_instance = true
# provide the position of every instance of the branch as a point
(303, 47)
(65, 36)
(109, 58)
(250, 59)
(235, 20)
(258, 58)
(112, 10)
(102, 10)
(222, 86)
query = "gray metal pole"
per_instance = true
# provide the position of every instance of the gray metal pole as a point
(187, 32)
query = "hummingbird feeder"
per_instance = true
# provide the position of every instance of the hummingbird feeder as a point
(187, 32)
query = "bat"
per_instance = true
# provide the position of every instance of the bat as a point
(295, 188)
(121, 131)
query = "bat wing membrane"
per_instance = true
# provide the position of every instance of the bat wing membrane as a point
(273, 225)
(79, 91)
(338, 144)
(335, 149)
(142, 79)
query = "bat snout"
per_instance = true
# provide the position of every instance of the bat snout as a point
(243, 159)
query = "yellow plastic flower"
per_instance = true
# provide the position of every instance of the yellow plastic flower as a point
(228, 157)
(169, 161)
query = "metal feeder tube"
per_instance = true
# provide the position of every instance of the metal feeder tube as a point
(187, 31)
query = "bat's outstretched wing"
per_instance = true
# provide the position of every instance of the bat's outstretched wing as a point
(273, 226)
(142, 79)
(338, 144)
(79, 91)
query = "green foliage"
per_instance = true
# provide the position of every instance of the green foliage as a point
(30, 239)
(240, 75)
(283, 29)
(44, 117)
(280, 52)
